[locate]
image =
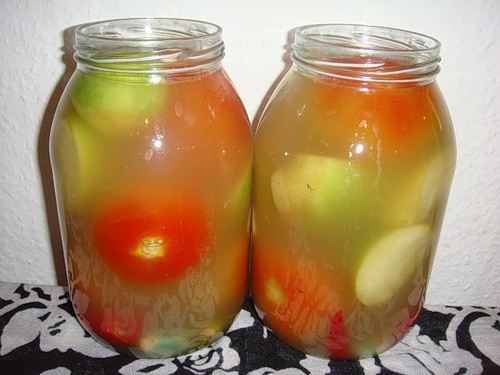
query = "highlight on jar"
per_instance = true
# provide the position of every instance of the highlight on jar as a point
(354, 158)
(152, 156)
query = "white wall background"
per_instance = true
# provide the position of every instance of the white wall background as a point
(35, 64)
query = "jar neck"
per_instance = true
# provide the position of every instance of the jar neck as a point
(364, 54)
(159, 46)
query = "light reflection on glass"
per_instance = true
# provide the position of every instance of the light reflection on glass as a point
(157, 143)
(154, 79)
(359, 148)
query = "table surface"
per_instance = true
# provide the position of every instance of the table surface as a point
(39, 334)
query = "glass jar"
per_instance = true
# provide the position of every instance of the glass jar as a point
(354, 157)
(152, 153)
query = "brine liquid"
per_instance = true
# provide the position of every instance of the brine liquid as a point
(153, 177)
(350, 186)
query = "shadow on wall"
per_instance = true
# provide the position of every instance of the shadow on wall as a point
(44, 156)
(288, 64)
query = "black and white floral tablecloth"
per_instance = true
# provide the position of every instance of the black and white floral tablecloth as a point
(39, 334)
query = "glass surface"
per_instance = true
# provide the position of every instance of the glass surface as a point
(152, 162)
(354, 157)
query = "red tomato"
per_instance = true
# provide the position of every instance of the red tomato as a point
(301, 303)
(120, 329)
(404, 116)
(152, 243)
(338, 341)
(116, 326)
(363, 121)
(212, 107)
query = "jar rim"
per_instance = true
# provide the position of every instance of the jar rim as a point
(147, 33)
(359, 33)
(366, 53)
(149, 45)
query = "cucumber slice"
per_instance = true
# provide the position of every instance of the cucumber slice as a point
(318, 189)
(113, 105)
(390, 263)
(416, 201)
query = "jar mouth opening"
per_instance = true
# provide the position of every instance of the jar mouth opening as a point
(148, 45)
(367, 38)
(140, 30)
(368, 53)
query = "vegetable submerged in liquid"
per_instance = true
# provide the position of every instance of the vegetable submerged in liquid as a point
(351, 181)
(154, 184)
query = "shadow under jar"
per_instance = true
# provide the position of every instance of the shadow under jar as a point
(354, 158)
(151, 151)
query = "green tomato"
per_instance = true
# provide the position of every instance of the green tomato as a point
(114, 103)
(391, 263)
(163, 346)
(319, 190)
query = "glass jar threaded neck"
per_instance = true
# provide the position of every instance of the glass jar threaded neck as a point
(366, 53)
(149, 45)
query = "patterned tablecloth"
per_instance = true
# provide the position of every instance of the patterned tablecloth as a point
(39, 334)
